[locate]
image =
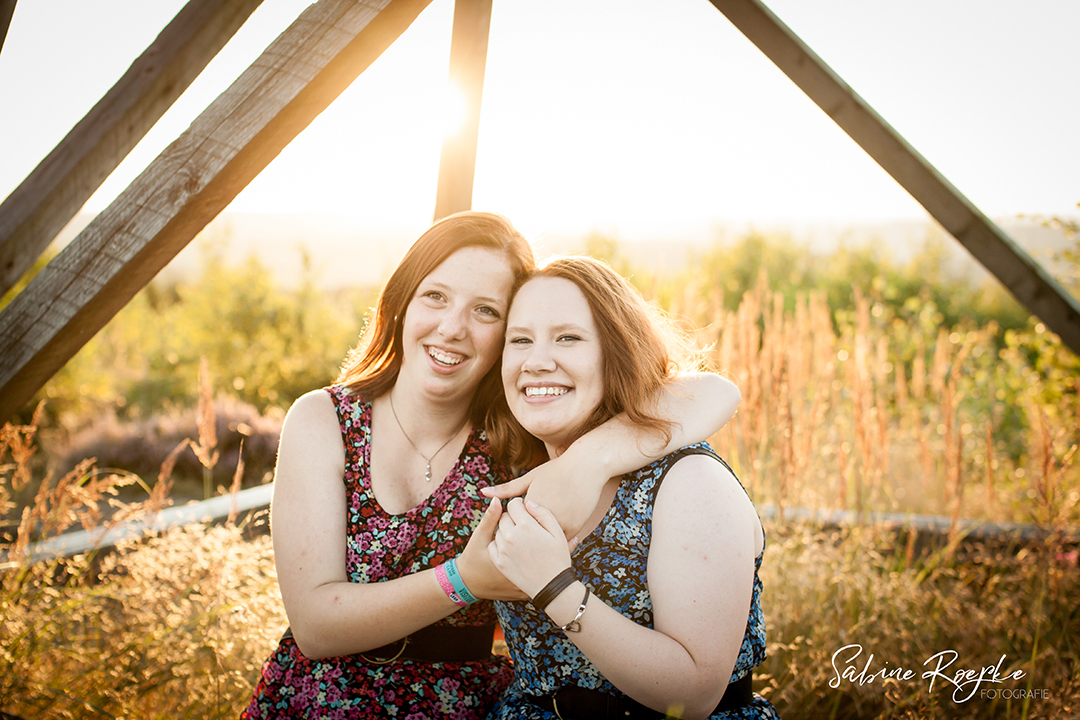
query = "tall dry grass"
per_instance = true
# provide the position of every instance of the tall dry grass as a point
(174, 625)
(827, 589)
(863, 411)
(874, 412)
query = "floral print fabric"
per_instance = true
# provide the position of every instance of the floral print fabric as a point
(381, 547)
(612, 561)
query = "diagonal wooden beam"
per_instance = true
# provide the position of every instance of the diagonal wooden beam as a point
(60, 185)
(196, 177)
(1019, 272)
(468, 60)
(7, 9)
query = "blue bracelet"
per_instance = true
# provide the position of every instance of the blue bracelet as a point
(459, 584)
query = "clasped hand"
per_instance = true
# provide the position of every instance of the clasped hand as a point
(529, 547)
(569, 486)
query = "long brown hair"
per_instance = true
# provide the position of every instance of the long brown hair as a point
(640, 351)
(372, 367)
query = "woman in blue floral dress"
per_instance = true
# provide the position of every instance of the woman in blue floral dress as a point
(378, 491)
(657, 610)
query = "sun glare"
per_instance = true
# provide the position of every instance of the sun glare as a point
(453, 110)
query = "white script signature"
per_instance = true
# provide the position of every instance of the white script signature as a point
(963, 680)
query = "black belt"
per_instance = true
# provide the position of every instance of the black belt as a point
(571, 702)
(434, 643)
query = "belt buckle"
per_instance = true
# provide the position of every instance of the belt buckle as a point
(404, 642)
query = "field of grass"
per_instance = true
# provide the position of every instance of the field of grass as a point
(873, 405)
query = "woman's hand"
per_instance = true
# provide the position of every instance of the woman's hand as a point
(568, 486)
(529, 547)
(475, 564)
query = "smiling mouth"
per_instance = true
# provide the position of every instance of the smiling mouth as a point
(444, 359)
(545, 391)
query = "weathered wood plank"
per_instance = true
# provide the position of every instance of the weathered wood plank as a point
(468, 60)
(61, 184)
(196, 177)
(1019, 272)
(7, 9)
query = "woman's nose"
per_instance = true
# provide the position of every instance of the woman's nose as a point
(452, 326)
(538, 359)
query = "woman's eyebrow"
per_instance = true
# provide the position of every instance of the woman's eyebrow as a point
(571, 327)
(436, 285)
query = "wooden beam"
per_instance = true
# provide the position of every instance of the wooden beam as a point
(196, 177)
(7, 9)
(1023, 276)
(35, 212)
(468, 60)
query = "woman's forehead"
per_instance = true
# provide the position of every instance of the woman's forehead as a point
(475, 264)
(552, 298)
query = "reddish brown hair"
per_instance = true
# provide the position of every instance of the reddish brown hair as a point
(640, 351)
(372, 367)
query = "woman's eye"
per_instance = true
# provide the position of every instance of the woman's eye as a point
(518, 341)
(434, 295)
(568, 338)
(486, 310)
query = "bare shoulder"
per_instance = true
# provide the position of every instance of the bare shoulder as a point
(312, 418)
(697, 486)
(313, 406)
(311, 436)
(701, 474)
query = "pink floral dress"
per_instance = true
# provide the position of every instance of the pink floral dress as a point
(381, 547)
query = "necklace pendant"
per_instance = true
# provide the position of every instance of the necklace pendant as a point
(427, 475)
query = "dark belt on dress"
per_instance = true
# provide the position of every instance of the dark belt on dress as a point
(434, 643)
(571, 702)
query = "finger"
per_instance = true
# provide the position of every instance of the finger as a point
(506, 522)
(515, 487)
(489, 521)
(517, 512)
(545, 517)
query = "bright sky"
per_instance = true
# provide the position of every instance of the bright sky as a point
(624, 116)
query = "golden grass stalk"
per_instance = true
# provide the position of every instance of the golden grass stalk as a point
(206, 423)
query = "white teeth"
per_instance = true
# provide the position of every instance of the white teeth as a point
(443, 358)
(540, 391)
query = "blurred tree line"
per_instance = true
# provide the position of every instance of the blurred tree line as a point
(136, 381)
(266, 346)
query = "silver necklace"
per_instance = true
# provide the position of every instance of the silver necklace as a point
(427, 474)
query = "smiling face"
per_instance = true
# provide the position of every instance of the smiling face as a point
(453, 327)
(552, 365)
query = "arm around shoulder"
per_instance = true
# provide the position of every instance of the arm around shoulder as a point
(699, 404)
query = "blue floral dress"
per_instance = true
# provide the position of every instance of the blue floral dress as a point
(612, 561)
(381, 547)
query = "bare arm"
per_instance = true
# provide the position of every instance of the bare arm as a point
(329, 615)
(700, 578)
(699, 403)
